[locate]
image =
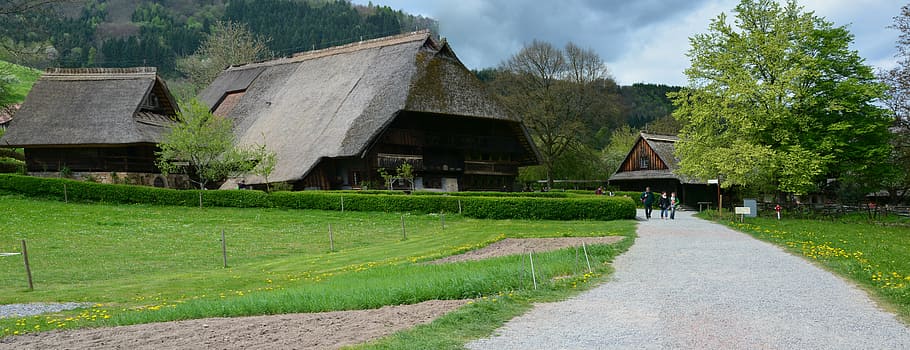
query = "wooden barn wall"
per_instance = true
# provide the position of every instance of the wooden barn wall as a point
(136, 158)
(639, 151)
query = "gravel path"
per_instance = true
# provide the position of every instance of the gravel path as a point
(692, 284)
(20, 310)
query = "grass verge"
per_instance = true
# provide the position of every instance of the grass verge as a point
(22, 81)
(875, 257)
(142, 263)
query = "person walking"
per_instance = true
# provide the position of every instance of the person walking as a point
(674, 203)
(647, 199)
(664, 204)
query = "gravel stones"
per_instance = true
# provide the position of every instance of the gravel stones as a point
(31, 309)
(692, 284)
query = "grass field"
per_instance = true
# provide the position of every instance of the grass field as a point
(21, 83)
(140, 263)
(874, 256)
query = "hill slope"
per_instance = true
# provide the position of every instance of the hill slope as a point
(15, 82)
(126, 33)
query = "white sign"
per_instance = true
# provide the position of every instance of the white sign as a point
(713, 181)
(743, 210)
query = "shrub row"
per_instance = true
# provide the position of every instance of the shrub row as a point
(8, 165)
(595, 208)
(9, 153)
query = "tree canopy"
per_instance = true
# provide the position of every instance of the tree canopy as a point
(559, 94)
(777, 99)
(201, 145)
(228, 44)
(898, 80)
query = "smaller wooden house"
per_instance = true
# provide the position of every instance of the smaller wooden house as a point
(652, 163)
(95, 123)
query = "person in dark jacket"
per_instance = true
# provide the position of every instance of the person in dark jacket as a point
(664, 204)
(647, 199)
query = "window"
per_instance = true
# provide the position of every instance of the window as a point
(644, 161)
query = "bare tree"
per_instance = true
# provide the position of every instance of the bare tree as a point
(554, 92)
(228, 44)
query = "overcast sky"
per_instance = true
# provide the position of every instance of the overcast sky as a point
(642, 41)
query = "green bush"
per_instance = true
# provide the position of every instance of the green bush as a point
(496, 194)
(490, 207)
(10, 153)
(11, 166)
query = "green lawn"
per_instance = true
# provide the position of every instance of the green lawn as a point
(143, 263)
(22, 82)
(874, 256)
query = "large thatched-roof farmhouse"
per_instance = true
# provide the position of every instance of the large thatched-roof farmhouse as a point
(100, 123)
(651, 163)
(335, 117)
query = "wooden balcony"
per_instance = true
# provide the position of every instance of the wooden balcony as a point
(490, 168)
(393, 161)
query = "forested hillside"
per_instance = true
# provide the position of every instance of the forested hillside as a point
(125, 33)
(170, 34)
(645, 103)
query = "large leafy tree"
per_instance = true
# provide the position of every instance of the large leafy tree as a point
(202, 145)
(777, 100)
(898, 80)
(559, 94)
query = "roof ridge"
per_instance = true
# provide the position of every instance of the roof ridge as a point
(342, 49)
(99, 73)
(659, 137)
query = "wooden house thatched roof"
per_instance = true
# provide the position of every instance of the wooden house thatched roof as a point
(93, 106)
(661, 161)
(336, 102)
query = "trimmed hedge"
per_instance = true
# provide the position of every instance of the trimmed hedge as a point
(496, 194)
(9, 153)
(8, 165)
(595, 208)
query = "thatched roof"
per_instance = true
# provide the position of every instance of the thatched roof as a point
(7, 112)
(665, 147)
(92, 106)
(336, 102)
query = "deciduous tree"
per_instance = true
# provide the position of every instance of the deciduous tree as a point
(777, 99)
(201, 145)
(897, 183)
(228, 44)
(556, 93)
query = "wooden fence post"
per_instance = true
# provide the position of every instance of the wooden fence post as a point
(583, 246)
(404, 234)
(28, 269)
(331, 239)
(223, 249)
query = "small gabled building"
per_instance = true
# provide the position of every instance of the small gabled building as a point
(652, 163)
(335, 117)
(95, 123)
